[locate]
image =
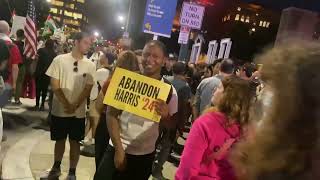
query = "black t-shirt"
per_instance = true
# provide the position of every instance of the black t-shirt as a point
(46, 57)
(184, 95)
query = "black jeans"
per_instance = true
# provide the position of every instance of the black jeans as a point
(165, 142)
(138, 167)
(42, 84)
(101, 139)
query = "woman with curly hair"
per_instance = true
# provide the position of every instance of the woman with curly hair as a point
(286, 143)
(212, 135)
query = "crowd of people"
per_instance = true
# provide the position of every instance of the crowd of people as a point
(247, 122)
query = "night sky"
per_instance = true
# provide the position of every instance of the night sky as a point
(103, 13)
(313, 5)
(106, 11)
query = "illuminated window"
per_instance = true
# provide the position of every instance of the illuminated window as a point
(228, 17)
(71, 22)
(247, 19)
(80, 1)
(67, 13)
(224, 19)
(261, 23)
(239, 8)
(71, 6)
(242, 18)
(54, 10)
(57, 3)
(268, 24)
(77, 16)
(264, 24)
(237, 17)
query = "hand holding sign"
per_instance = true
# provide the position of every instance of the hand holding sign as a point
(161, 107)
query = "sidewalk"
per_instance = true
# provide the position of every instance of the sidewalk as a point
(32, 154)
(41, 159)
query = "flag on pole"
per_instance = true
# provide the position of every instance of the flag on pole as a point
(50, 26)
(30, 29)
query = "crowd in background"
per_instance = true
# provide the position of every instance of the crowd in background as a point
(244, 121)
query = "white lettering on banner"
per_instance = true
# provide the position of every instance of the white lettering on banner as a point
(192, 15)
(155, 11)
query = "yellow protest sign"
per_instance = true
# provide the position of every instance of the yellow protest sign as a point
(135, 93)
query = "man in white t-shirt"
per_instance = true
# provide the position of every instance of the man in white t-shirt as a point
(132, 147)
(72, 78)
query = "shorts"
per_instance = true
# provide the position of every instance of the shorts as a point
(62, 127)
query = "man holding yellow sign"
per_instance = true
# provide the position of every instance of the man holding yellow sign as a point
(145, 101)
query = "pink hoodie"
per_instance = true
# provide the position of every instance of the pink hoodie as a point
(207, 136)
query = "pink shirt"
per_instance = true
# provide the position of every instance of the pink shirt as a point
(207, 136)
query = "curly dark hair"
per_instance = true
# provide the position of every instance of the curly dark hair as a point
(284, 144)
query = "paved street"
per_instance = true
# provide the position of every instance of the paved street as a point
(28, 151)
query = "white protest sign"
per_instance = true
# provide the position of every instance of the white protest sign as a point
(18, 23)
(192, 15)
(184, 35)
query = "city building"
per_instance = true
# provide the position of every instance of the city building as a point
(70, 13)
(255, 16)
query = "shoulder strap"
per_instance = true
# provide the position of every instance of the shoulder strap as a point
(171, 90)
(222, 151)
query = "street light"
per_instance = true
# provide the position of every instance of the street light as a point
(121, 18)
(96, 34)
(122, 27)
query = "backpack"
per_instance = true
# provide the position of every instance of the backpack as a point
(171, 90)
(5, 73)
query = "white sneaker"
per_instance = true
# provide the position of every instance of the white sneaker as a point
(51, 174)
(87, 142)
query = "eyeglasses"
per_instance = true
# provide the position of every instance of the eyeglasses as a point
(75, 64)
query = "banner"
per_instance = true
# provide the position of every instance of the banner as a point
(135, 93)
(184, 35)
(18, 23)
(159, 15)
(192, 15)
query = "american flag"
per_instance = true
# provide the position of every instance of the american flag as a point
(30, 29)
